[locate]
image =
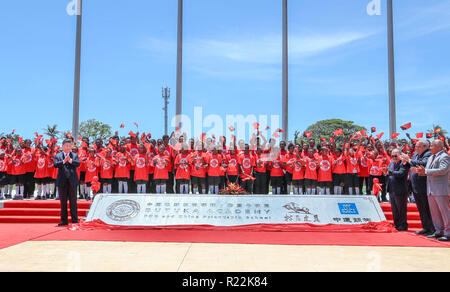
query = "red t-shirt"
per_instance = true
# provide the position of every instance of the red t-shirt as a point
(298, 170)
(4, 164)
(233, 165)
(311, 168)
(289, 160)
(92, 168)
(41, 166)
(352, 165)
(29, 164)
(141, 167)
(275, 167)
(123, 165)
(182, 167)
(260, 162)
(339, 166)
(214, 164)
(325, 168)
(364, 164)
(198, 161)
(161, 167)
(107, 168)
(246, 162)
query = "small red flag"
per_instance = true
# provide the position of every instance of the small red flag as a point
(437, 130)
(136, 124)
(363, 132)
(276, 135)
(132, 134)
(419, 135)
(395, 135)
(256, 126)
(380, 135)
(231, 128)
(20, 140)
(441, 138)
(122, 126)
(267, 128)
(308, 134)
(80, 138)
(373, 129)
(406, 126)
(36, 134)
(429, 135)
(338, 132)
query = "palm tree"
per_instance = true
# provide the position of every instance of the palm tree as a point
(441, 132)
(51, 131)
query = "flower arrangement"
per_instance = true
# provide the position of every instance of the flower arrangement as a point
(233, 189)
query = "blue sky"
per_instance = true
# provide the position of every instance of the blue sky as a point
(232, 62)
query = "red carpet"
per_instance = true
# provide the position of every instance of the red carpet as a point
(48, 211)
(30, 211)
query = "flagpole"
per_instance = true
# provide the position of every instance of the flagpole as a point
(392, 109)
(285, 101)
(76, 93)
(179, 89)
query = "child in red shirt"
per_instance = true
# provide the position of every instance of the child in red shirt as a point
(198, 163)
(92, 169)
(214, 161)
(324, 174)
(161, 175)
(339, 171)
(260, 171)
(246, 164)
(311, 166)
(352, 170)
(298, 175)
(3, 174)
(107, 166)
(141, 169)
(276, 172)
(41, 173)
(182, 167)
(123, 162)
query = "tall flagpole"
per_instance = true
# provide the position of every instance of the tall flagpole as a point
(392, 110)
(179, 89)
(76, 92)
(285, 73)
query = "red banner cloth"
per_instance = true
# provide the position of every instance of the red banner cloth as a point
(374, 227)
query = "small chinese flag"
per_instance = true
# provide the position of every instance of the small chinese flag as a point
(20, 140)
(36, 134)
(363, 132)
(122, 126)
(267, 128)
(231, 128)
(380, 135)
(308, 134)
(276, 135)
(429, 135)
(406, 126)
(68, 135)
(437, 130)
(132, 134)
(256, 126)
(136, 124)
(419, 135)
(395, 135)
(373, 129)
(441, 138)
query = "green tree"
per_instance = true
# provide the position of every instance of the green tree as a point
(52, 131)
(94, 129)
(442, 133)
(325, 129)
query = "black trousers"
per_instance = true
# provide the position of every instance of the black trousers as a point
(399, 204)
(424, 211)
(260, 186)
(68, 193)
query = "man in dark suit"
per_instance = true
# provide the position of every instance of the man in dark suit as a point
(419, 185)
(397, 186)
(67, 181)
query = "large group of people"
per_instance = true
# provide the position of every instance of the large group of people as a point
(359, 165)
